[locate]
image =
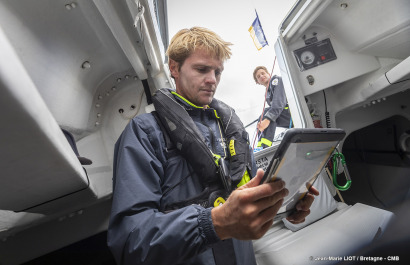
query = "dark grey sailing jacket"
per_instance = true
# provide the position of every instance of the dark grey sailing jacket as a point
(276, 98)
(146, 179)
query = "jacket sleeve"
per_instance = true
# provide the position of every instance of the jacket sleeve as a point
(138, 232)
(277, 100)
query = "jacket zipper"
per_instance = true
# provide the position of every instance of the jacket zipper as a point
(212, 138)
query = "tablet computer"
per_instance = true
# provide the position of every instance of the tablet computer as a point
(299, 159)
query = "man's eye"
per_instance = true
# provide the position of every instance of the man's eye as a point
(202, 70)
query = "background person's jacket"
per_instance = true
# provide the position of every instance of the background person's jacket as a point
(276, 98)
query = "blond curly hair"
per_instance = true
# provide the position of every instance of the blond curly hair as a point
(186, 41)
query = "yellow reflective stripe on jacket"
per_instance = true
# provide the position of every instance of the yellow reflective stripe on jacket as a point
(216, 158)
(265, 142)
(192, 104)
(245, 179)
(232, 147)
(186, 100)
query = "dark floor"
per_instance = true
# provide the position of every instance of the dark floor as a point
(90, 251)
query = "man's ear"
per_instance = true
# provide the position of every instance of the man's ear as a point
(173, 68)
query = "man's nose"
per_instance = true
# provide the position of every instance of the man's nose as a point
(211, 77)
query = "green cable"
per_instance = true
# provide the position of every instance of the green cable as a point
(339, 156)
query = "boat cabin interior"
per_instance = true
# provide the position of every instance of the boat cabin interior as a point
(74, 73)
(346, 64)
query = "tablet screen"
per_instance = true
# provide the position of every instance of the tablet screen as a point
(299, 168)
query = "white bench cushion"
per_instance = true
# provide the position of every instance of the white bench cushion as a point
(337, 235)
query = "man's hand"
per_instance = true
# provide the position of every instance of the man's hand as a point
(249, 211)
(262, 125)
(303, 207)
